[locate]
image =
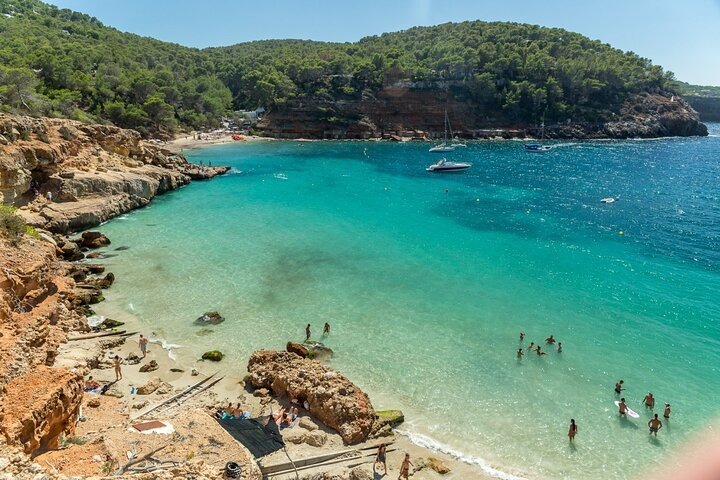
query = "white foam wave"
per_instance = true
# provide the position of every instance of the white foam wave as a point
(167, 346)
(432, 444)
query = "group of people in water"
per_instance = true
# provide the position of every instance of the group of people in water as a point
(536, 348)
(326, 331)
(654, 424)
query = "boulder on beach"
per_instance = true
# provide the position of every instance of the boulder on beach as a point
(151, 366)
(317, 350)
(93, 240)
(210, 318)
(213, 355)
(390, 417)
(331, 398)
(150, 387)
(297, 349)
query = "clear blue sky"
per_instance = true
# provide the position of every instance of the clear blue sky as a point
(681, 35)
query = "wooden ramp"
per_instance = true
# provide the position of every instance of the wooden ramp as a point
(176, 400)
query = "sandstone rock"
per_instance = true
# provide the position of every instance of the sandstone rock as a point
(307, 424)
(104, 282)
(213, 355)
(164, 388)
(177, 370)
(297, 349)
(93, 402)
(261, 392)
(194, 372)
(360, 472)
(392, 418)
(316, 438)
(210, 318)
(140, 405)
(150, 387)
(317, 350)
(151, 366)
(109, 323)
(335, 401)
(438, 465)
(94, 240)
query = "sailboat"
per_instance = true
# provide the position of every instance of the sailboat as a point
(444, 146)
(538, 147)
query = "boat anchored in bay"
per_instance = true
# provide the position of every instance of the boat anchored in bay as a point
(446, 166)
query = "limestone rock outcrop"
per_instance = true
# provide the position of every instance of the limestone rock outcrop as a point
(67, 176)
(331, 397)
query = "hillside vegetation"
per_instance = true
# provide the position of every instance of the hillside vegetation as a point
(63, 63)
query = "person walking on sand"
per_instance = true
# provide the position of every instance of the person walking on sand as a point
(619, 386)
(380, 458)
(405, 467)
(622, 408)
(326, 329)
(655, 424)
(649, 400)
(143, 345)
(666, 413)
(118, 372)
(307, 332)
(519, 353)
(573, 430)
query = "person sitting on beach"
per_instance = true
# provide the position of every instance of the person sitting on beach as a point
(294, 412)
(380, 458)
(530, 347)
(559, 347)
(405, 467)
(278, 416)
(573, 430)
(91, 384)
(666, 413)
(520, 353)
(655, 424)
(649, 400)
(622, 407)
(550, 340)
(618, 386)
(539, 352)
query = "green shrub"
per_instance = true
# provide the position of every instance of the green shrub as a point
(65, 133)
(13, 226)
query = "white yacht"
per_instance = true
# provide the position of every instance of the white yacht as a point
(445, 146)
(446, 166)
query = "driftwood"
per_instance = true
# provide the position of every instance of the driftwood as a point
(101, 334)
(122, 469)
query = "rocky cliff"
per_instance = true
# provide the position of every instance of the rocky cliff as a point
(331, 397)
(404, 110)
(707, 107)
(38, 402)
(67, 176)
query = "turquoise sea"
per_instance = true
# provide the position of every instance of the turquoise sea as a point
(427, 280)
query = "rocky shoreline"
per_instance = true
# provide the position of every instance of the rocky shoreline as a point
(49, 349)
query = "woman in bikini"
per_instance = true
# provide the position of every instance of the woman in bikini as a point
(573, 430)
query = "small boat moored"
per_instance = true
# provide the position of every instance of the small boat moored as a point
(443, 147)
(445, 166)
(537, 147)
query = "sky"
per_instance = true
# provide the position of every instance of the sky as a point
(680, 35)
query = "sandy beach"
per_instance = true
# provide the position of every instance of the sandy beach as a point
(186, 142)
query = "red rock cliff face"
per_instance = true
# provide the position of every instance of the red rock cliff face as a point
(37, 402)
(401, 110)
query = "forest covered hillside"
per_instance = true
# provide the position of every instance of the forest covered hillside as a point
(58, 62)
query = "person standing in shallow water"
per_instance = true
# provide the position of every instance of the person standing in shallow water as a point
(118, 372)
(559, 347)
(530, 347)
(619, 386)
(307, 332)
(622, 408)
(655, 424)
(326, 329)
(522, 336)
(519, 353)
(666, 413)
(649, 400)
(573, 430)
(143, 345)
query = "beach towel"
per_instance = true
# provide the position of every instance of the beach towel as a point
(259, 435)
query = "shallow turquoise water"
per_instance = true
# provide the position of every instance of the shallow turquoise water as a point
(427, 280)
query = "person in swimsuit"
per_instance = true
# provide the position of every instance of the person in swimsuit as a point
(539, 352)
(666, 413)
(380, 458)
(559, 347)
(307, 332)
(573, 430)
(522, 336)
(405, 468)
(649, 400)
(622, 407)
(91, 384)
(655, 424)
(118, 371)
(143, 345)
(619, 386)
(550, 340)
(530, 347)
(326, 329)
(519, 353)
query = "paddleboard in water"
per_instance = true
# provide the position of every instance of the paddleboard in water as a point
(629, 411)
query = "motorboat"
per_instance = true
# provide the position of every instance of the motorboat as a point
(445, 166)
(443, 147)
(537, 147)
(607, 200)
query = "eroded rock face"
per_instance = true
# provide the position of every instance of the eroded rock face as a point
(332, 398)
(36, 421)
